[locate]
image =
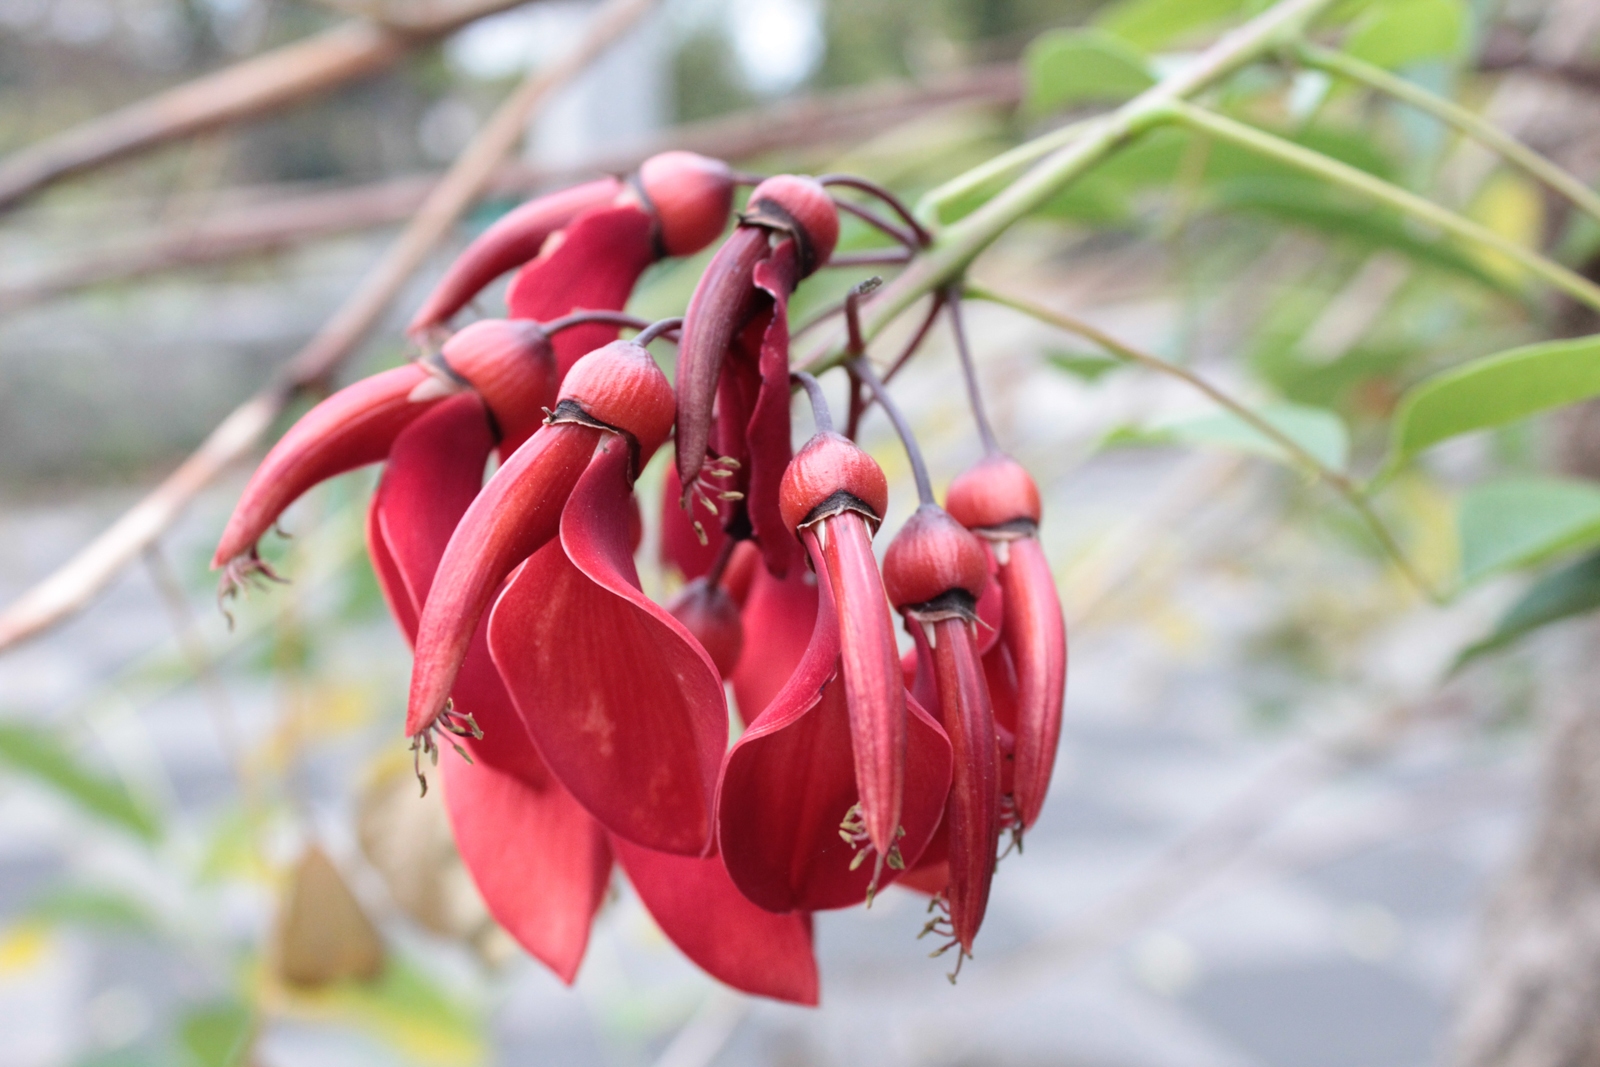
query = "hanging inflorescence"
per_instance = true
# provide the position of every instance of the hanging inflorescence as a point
(587, 725)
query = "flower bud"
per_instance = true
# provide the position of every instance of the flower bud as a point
(691, 195)
(830, 470)
(931, 556)
(511, 365)
(709, 613)
(805, 204)
(995, 492)
(621, 386)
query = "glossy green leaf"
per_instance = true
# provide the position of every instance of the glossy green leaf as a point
(1066, 67)
(218, 1035)
(1319, 432)
(1518, 521)
(1398, 32)
(37, 754)
(1561, 594)
(1153, 24)
(1495, 390)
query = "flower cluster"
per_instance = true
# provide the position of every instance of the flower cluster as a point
(586, 725)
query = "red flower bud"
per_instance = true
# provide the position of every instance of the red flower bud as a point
(621, 386)
(512, 366)
(710, 614)
(513, 240)
(804, 209)
(995, 492)
(931, 556)
(831, 474)
(691, 195)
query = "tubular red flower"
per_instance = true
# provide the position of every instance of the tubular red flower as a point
(624, 704)
(789, 811)
(733, 359)
(699, 909)
(350, 429)
(999, 502)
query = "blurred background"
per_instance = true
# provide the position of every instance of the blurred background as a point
(1291, 826)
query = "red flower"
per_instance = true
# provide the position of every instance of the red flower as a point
(734, 356)
(934, 572)
(998, 501)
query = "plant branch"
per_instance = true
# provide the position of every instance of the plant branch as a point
(1340, 482)
(1409, 203)
(81, 578)
(250, 88)
(1513, 151)
(962, 242)
(272, 223)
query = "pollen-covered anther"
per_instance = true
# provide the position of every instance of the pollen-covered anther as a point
(853, 831)
(240, 575)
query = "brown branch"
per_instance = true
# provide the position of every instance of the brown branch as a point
(245, 90)
(77, 582)
(276, 224)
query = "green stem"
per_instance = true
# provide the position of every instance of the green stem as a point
(933, 202)
(1344, 65)
(1359, 181)
(1340, 482)
(962, 242)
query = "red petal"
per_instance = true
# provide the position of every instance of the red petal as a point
(721, 304)
(594, 268)
(697, 907)
(625, 706)
(873, 682)
(540, 862)
(767, 435)
(515, 238)
(516, 512)
(973, 812)
(789, 782)
(350, 429)
(1035, 635)
(779, 615)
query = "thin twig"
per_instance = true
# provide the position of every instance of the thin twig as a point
(1336, 480)
(276, 222)
(248, 89)
(969, 371)
(87, 573)
(903, 236)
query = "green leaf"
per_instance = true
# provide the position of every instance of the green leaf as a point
(1562, 594)
(1493, 391)
(1399, 32)
(218, 1035)
(1316, 430)
(38, 755)
(1152, 24)
(1064, 67)
(1079, 365)
(1517, 521)
(96, 908)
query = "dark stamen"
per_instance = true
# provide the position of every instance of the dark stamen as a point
(952, 299)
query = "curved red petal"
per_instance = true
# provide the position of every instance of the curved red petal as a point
(515, 513)
(948, 650)
(594, 268)
(625, 706)
(779, 616)
(514, 239)
(767, 435)
(790, 781)
(350, 429)
(873, 681)
(721, 304)
(540, 862)
(1035, 635)
(699, 909)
